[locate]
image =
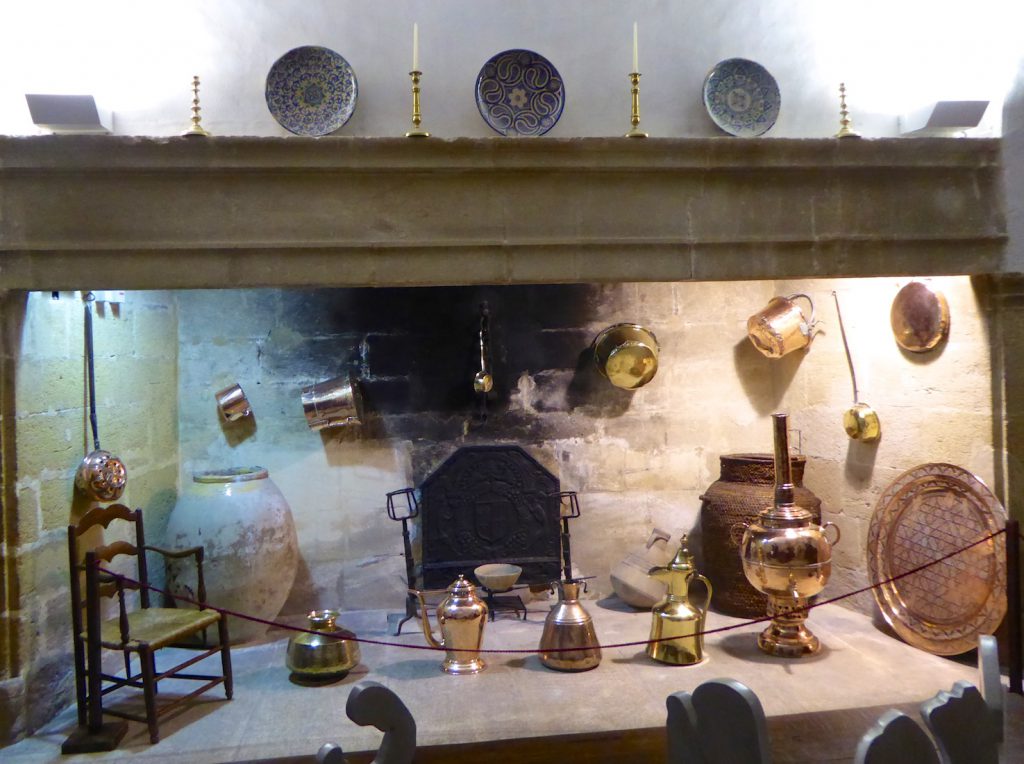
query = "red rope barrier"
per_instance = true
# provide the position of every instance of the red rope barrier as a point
(384, 643)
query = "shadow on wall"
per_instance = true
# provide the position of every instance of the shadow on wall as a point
(416, 351)
(765, 380)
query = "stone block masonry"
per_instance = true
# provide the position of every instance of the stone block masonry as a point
(45, 430)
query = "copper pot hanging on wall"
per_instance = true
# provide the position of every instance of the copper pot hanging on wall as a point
(782, 327)
(334, 403)
(627, 354)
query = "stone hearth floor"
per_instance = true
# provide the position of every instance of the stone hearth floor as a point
(860, 666)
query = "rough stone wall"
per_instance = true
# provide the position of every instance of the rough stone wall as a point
(47, 434)
(933, 407)
(637, 459)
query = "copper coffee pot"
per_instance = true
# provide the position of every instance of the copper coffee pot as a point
(461, 616)
(788, 557)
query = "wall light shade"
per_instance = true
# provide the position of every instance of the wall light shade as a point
(943, 118)
(68, 113)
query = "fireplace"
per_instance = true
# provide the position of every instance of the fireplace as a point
(252, 256)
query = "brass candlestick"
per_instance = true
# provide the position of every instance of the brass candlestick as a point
(636, 132)
(417, 117)
(845, 131)
(196, 128)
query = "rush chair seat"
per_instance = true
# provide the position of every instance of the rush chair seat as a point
(143, 631)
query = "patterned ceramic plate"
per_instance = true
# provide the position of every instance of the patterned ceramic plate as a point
(741, 97)
(926, 513)
(311, 90)
(519, 92)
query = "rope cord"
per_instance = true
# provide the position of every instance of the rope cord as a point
(342, 634)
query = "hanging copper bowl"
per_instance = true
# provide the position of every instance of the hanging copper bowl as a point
(627, 354)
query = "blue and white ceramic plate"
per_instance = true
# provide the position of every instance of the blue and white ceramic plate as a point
(311, 90)
(519, 93)
(741, 97)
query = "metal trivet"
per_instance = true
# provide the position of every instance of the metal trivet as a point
(503, 602)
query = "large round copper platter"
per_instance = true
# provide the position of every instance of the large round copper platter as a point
(927, 513)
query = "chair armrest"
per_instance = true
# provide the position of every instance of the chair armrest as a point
(178, 554)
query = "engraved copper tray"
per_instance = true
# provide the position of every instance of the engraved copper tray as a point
(926, 513)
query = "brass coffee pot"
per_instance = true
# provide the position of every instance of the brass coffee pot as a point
(461, 616)
(787, 556)
(569, 625)
(323, 654)
(674, 616)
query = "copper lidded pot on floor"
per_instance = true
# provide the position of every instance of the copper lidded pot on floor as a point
(461, 617)
(569, 625)
(788, 557)
(676, 625)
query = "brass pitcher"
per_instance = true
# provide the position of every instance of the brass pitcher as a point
(461, 616)
(569, 625)
(322, 655)
(674, 616)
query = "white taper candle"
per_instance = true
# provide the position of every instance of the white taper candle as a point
(636, 58)
(415, 47)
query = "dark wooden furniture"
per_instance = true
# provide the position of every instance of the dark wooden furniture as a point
(141, 630)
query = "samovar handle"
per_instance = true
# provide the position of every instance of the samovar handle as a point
(834, 527)
(707, 602)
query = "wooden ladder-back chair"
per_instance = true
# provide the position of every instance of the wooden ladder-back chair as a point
(143, 631)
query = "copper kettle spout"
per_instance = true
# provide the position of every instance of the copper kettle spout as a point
(425, 621)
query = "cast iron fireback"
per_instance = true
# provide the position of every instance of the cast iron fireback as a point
(490, 504)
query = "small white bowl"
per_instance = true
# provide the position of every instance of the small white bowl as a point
(497, 576)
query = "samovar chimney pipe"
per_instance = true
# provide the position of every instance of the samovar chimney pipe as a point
(783, 466)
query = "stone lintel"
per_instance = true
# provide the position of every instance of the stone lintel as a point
(117, 212)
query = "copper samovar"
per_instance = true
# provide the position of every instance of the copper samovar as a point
(788, 557)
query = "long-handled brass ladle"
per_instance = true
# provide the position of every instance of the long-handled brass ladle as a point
(860, 420)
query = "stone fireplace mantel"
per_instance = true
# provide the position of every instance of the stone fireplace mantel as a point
(103, 212)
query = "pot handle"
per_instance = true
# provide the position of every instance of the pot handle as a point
(707, 585)
(811, 322)
(736, 531)
(834, 527)
(657, 535)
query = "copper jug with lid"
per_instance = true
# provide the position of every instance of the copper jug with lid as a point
(677, 625)
(461, 617)
(569, 625)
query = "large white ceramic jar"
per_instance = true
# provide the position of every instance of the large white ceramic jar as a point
(244, 524)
